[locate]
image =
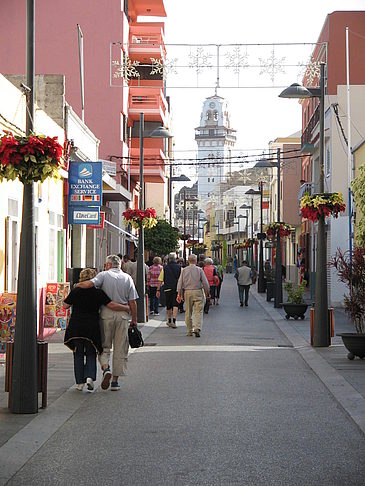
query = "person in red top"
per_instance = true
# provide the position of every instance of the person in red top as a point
(152, 284)
(212, 277)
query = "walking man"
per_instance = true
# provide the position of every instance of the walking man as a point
(119, 287)
(169, 277)
(190, 287)
(244, 280)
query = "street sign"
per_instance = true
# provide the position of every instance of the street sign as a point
(84, 215)
(101, 223)
(85, 184)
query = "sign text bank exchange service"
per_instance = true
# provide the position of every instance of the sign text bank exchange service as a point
(85, 192)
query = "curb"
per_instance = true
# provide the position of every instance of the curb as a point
(350, 399)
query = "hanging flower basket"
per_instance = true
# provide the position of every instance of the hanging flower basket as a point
(274, 229)
(30, 159)
(200, 247)
(135, 217)
(191, 243)
(327, 204)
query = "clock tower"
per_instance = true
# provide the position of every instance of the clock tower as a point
(215, 139)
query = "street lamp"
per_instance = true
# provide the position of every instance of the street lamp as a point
(241, 216)
(24, 388)
(261, 279)
(278, 298)
(321, 333)
(159, 132)
(192, 199)
(250, 207)
(180, 178)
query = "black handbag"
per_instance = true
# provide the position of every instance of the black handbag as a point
(135, 337)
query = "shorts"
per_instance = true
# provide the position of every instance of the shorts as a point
(171, 299)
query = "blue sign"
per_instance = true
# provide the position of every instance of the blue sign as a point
(83, 215)
(85, 184)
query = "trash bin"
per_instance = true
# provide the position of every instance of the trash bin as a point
(42, 370)
(229, 268)
(331, 321)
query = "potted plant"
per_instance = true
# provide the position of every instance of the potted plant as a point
(295, 307)
(350, 267)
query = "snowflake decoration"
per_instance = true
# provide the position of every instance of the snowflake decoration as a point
(200, 60)
(163, 66)
(272, 65)
(312, 70)
(126, 69)
(236, 61)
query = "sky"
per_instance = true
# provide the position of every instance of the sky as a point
(257, 113)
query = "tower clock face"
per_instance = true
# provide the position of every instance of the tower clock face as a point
(212, 105)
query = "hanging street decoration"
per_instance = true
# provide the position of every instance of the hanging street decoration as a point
(253, 65)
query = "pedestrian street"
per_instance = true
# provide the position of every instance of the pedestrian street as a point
(237, 406)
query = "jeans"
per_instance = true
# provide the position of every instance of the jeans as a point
(154, 301)
(84, 361)
(243, 289)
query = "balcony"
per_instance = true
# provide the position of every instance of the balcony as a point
(149, 101)
(145, 41)
(149, 8)
(154, 164)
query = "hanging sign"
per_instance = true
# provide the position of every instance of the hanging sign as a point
(101, 223)
(83, 215)
(85, 184)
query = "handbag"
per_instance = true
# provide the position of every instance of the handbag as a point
(162, 296)
(135, 337)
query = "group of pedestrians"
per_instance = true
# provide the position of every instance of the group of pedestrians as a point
(102, 304)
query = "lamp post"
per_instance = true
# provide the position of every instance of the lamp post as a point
(159, 132)
(192, 199)
(24, 388)
(250, 207)
(278, 298)
(180, 178)
(321, 332)
(261, 279)
(242, 216)
(217, 226)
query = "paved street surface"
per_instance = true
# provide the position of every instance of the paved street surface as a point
(249, 403)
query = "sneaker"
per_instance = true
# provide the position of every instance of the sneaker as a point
(151, 313)
(197, 333)
(155, 313)
(172, 325)
(107, 376)
(189, 333)
(246, 304)
(79, 386)
(89, 384)
(114, 386)
(241, 304)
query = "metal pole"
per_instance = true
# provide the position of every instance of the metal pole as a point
(184, 256)
(24, 387)
(321, 334)
(252, 245)
(278, 272)
(170, 194)
(141, 302)
(261, 281)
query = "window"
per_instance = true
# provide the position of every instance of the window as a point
(208, 179)
(215, 115)
(212, 179)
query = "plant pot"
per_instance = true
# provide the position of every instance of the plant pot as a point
(295, 310)
(354, 343)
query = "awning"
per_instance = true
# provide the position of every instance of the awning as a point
(121, 230)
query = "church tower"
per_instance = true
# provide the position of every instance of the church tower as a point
(215, 139)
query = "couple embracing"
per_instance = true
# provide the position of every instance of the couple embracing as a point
(92, 331)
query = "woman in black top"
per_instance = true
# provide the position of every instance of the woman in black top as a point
(83, 335)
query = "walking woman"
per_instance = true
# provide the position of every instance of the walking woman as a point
(83, 335)
(212, 277)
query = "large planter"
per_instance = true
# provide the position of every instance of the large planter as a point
(354, 343)
(295, 310)
(270, 291)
